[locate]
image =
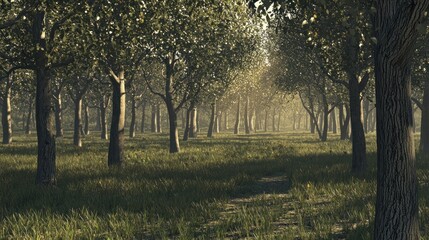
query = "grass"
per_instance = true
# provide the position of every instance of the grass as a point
(263, 186)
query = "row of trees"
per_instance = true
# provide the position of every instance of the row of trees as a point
(181, 51)
(342, 45)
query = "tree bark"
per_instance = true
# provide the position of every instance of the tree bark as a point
(246, 117)
(46, 157)
(142, 126)
(153, 123)
(86, 119)
(279, 120)
(344, 121)
(7, 112)
(273, 122)
(188, 129)
(104, 103)
(396, 216)
(158, 119)
(424, 132)
(117, 128)
(59, 116)
(133, 117)
(28, 118)
(225, 121)
(77, 137)
(237, 117)
(212, 120)
(334, 121)
(98, 122)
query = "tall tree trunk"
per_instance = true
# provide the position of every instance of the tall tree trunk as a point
(153, 123)
(312, 125)
(59, 116)
(334, 121)
(86, 120)
(193, 131)
(28, 118)
(324, 117)
(46, 145)
(219, 119)
(158, 119)
(77, 137)
(366, 115)
(279, 120)
(273, 123)
(355, 87)
(98, 122)
(225, 121)
(251, 116)
(103, 112)
(237, 117)
(187, 128)
(212, 120)
(246, 116)
(197, 121)
(424, 135)
(133, 117)
(359, 163)
(397, 208)
(7, 112)
(344, 121)
(117, 128)
(266, 121)
(142, 125)
(172, 116)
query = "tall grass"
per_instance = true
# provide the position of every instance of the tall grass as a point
(263, 186)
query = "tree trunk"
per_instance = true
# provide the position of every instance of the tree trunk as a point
(251, 116)
(158, 119)
(246, 116)
(77, 137)
(133, 117)
(174, 133)
(225, 121)
(104, 103)
(273, 123)
(28, 119)
(219, 119)
(212, 120)
(86, 120)
(424, 132)
(359, 163)
(142, 130)
(58, 116)
(237, 118)
(334, 121)
(7, 112)
(46, 146)
(187, 129)
(396, 216)
(117, 128)
(279, 120)
(324, 117)
(266, 121)
(193, 131)
(153, 123)
(312, 125)
(344, 122)
(98, 122)
(366, 115)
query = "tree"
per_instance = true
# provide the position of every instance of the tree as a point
(396, 25)
(185, 44)
(116, 31)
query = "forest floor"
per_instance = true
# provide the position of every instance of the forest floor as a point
(262, 186)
